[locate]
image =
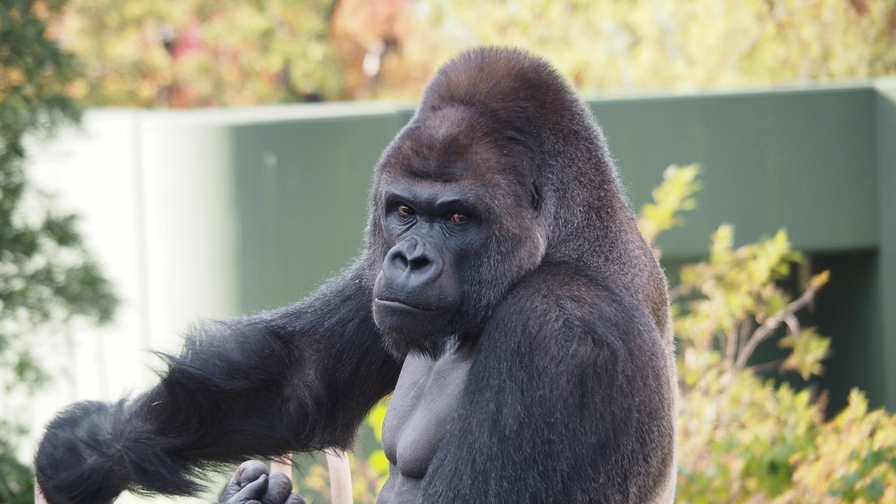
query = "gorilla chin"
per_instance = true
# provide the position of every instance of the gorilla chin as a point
(412, 329)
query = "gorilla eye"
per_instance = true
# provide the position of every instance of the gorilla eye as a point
(459, 218)
(405, 211)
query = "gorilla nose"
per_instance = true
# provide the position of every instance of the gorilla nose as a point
(412, 264)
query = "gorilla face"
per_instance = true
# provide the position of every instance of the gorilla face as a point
(435, 235)
(450, 248)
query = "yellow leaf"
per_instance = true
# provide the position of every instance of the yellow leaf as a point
(817, 281)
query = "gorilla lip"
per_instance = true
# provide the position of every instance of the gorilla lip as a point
(402, 305)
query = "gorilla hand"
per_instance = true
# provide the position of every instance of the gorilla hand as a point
(251, 484)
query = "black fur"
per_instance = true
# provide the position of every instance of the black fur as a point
(296, 379)
(547, 285)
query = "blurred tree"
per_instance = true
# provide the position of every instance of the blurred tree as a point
(385, 49)
(230, 52)
(46, 276)
(683, 44)
(203, 52)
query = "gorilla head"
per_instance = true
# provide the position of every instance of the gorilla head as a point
(462, 208)
(442, 228)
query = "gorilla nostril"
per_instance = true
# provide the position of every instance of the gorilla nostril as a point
(400, 260)
(419, 263)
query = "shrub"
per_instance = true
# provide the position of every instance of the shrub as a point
(743, 437)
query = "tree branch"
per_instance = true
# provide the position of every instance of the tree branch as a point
(772, 323)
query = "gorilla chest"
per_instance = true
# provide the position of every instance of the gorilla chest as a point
(424, 400)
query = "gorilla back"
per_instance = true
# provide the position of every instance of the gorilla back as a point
(504, 280)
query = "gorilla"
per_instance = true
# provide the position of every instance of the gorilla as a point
(505, 298)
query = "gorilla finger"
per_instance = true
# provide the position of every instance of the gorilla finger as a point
(295, 499)
(229, 490)
(248, 472)
(251, 492)
(279, 486)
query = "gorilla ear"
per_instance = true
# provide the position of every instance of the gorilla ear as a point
(535, 197)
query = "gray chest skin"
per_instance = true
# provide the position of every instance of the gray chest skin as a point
(425, 397)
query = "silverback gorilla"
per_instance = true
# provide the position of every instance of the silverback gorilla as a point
(505, 297)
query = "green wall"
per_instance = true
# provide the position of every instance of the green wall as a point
(885, 286)
(302, 193)
(820, 162)
(804, 160)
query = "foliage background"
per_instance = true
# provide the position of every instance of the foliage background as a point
(194, 53)
(47, 276)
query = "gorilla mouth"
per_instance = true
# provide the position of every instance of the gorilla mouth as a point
(394, 303)
(410, 326)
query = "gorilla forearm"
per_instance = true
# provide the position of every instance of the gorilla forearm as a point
(293, 379)
(296, 379)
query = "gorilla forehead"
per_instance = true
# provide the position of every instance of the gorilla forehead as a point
(493, 114)
(459, 145)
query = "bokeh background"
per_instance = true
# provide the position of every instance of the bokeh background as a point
(166, 162)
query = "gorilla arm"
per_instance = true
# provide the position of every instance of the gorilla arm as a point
(296, 379)
(568, 400)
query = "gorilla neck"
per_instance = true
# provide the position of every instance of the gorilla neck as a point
(426, 395)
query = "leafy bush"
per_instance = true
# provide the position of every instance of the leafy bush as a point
(743, 437)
